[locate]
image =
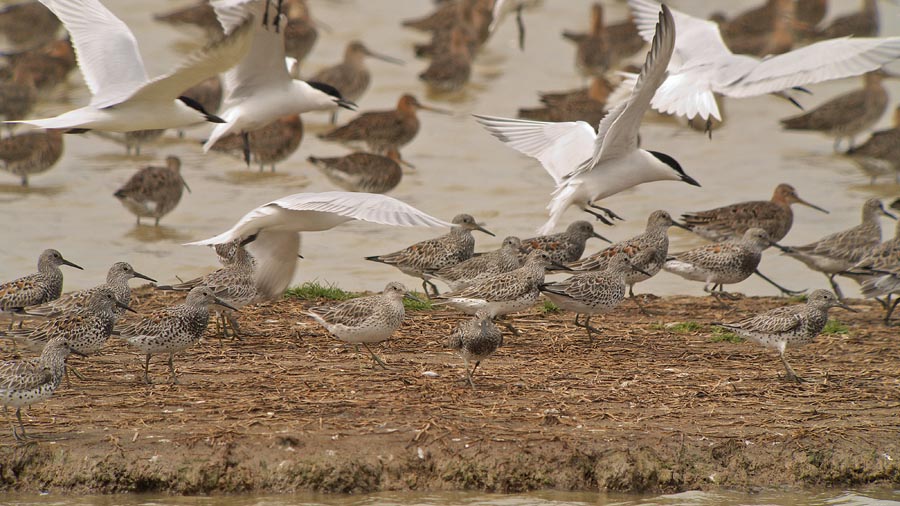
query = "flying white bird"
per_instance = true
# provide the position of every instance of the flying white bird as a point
(703, 65)
(501, 9)
(271, 232)
(260, 89)
(124, 98)
(589, 166)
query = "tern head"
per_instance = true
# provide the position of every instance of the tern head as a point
(331, 96)
(785, 193)
(197, 106)
(672, 168)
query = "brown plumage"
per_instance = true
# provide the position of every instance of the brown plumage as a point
(586, 104)
(592, 55)
(17, 97)
(808, 14)
(755, 21)
(47, 65)
(208, 93)
(450, 70)
(362, 172)
(153, 192)
(442, 17)
(880, 154)
(200, 14)
(473, 17)
(351, 77)
(270, 144)
(624, 40)
(28, 23)
(31, 152)
(778, 38)
(859, 24)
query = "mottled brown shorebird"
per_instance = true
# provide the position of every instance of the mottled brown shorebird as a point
(351, 76)
(846, 115)
(48, 65)
(269, 145)
(153, 192)
(777, 38)
(586, 104)
(27, 23)
(859, 24)
(835, 253)
(444, 16)
(362, 172)
(474, 340)
(382, 130)
(563, 247)
(31, 153)
(38, 288)
(880, 154)
(730, 222)
(450, 70)
(482, 265)
(592, 54)
(117, 278)
(17, 97)
(473, 18)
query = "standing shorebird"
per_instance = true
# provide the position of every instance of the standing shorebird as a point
(845, 116)
(858, 24)
(31, 152)
(563, 247)
(586, 104)
(730, 222)
(475, 340)
(450, 70)
(47, 65)
(481, 266)
(791, 325)
(363, 172)
(435, 254)
(722, 263)
(17, 97)
(270, 144)
(351, 76)
(883, 283)
(171, 329)
(382, 130)
(365, 320)
(880, 154)
(592, 55)
(835, 253)
(593, 292)
(116, 280)
(29, 381)
(153, 192)
(34, 289)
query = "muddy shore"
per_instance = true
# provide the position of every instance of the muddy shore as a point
(657, 404)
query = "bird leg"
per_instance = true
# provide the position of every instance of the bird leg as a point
(278, 16)
(890, 311)
(469, 374)
(24, 436)
(246, 138)
(609, 212)
(783, 290)
(434, 288)
(172, 368)
(599, 216)
(586, 325)
(791, 375)
(147, 370)
(265, 19)
(334, 117)
(382, 364)
(232, 321)
(836, 287)
(509, 326)
(521, 24)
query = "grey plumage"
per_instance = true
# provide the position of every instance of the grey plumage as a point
(481, 266)
(475, 339)
(563, 247)
(38, 288)
(116, 280)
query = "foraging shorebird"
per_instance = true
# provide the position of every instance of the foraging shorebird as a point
(435, 254)
(722, 263)
(475, 339)
(593, 292)
(271, 232)
(732, 221)
(351, 76)
(450, 70)
(858, 24)
(791, 325)
(124, 98)
(563, 247)
(29, 381)
(116, 281)
(382, 130)
(43, 286)
(587, 104)
(483, 265)
(270, 144)
(152, 192)
(362, 172)
(845, 116)
(260, 89)
(31, 152)
(835, 253)
(588, 166)
(365, 320)
(703, 65)
(171, 329)
(880, 154)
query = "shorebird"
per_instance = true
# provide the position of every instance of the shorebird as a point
(443, 17)
(171, 329)
(116, 281)
(31, 152)
(880, 154)
(563, 247)
(778, 38)
(363, 172)
(859, 24)
(483, 265)
(703, 65)
(845, 116)
(883, 283)
(382, 130)
(791, 325)
(270, 144)
(869, 271)
(475, 339)
(722, 263)
(835, 253)
(47, 65)
(260, 89)
(589, 166)
(234, 283)
(730, 222)
(271, 232)
(27, 23)
(351, 76)
(17, 97)
(29, 381)
(592, 54)
(435, 254)
(43, 286)
(593, 292)
(365, 320)
(450, 70)
(124, 98)
(587, 104)
(153, 192)
(473, 17)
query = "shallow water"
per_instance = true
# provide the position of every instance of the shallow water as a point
(460, 167)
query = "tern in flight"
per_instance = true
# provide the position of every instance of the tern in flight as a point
(587, 165)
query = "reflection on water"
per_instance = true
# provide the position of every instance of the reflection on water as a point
(545, 498)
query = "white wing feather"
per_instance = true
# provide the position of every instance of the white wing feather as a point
(263, 65)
